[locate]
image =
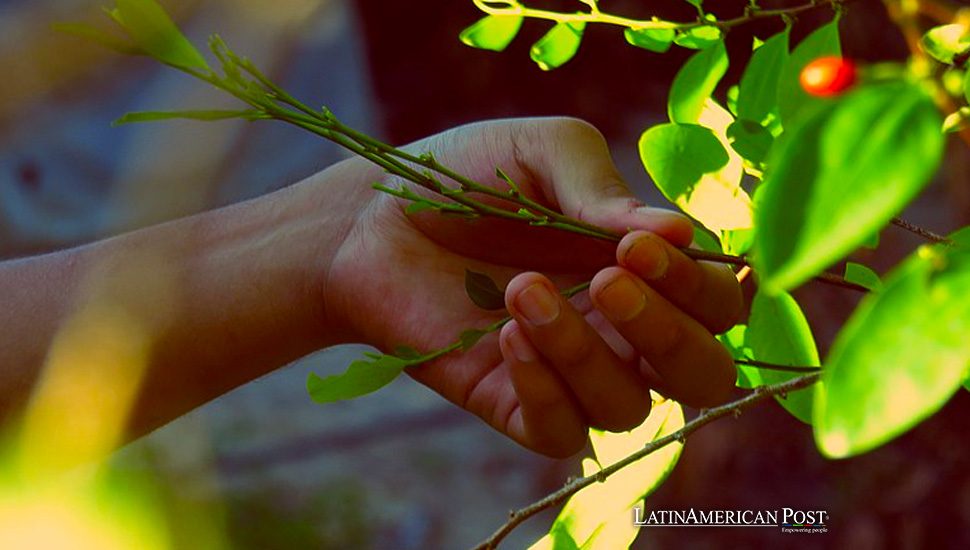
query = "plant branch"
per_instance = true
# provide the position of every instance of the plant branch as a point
(925, 233)
(734, 408)
(595, 15)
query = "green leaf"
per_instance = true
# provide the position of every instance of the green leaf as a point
(695, 82)
(100, 37)
(699, 38)
(691, 168)
(152, 29)
(750, 139)
(779, 333)
(737, 241)
(758, 90)
(791, 97)
(840, 175)
(592, 517)
(407, 353)
(706, 241)
(696, 3)
(961, 237)
(966, 86)
(470, 337)
(862, 276)
(151, 116)
(944, 42)
(419, 206)
(558, 46)
(361, 378)
(483, 291)
(492, 32)
(655, 40)
(900, 356)
(732, 100)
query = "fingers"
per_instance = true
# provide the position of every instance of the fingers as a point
(696, 369)
(548, 419)
(610, 392)
(571, 159)
(708, 292)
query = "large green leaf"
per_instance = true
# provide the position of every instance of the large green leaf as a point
(758, 90)
(750, 139)
(900, 356)
(558, 46)
(599, 517)
(946, 41)
(791, 97)
(695, 82)
(152, 29)
(840, 175)
(492, 32)
(779, 333)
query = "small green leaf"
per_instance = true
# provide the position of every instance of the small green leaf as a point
(151, 116)
(732, 100)
(900, 356)
(966, 86)
(695, 82)
(862, 276)
(470, 337)
(750, 139)
(407, 353)
(758, 90)
(361, 378)
(492, 32)
(483, 291)
(779, 333)
(706, 240)
(696, 3)
(699, 38)
(655, 40)
(961, 237)
(840, 175)
(100, 37)
(791, 97)
(677, 156)
(944, 42)
(737, 241)
(152, 29)
(558, 46)
(418, 206)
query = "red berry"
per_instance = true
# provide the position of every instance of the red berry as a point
(828, 76)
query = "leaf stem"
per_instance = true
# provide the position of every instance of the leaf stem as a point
(925, 233)
(772, 366)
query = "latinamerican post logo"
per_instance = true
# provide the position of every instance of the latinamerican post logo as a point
(788, 520)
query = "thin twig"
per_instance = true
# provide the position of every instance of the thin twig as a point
(773, 366)
(925, 233)
(731, 409)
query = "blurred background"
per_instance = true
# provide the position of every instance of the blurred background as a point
(264, 467)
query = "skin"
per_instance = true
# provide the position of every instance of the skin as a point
(227, 296)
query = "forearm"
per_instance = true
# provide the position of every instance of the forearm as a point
(205, 303)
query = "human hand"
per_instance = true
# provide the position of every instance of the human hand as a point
(561, 365)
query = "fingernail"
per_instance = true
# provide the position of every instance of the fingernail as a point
(647, 257)
(622, 300)
(538, 305)
(660, 214)
(521, 348)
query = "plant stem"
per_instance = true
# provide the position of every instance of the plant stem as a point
(925, 233)
(734, 408)
(772, 366)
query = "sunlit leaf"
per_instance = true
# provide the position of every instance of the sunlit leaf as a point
(737, 241)
(655, 40)
(152, 29)
(840, 175)
(791, 97)
(750, 139)
(151, 116)
(558, 46)
(100, 37)
(758, 90)
(961, 237)
(492, 32)
(944, 42)
(483, 291)
(900, 356)
(362, 377)
(695, 82)
(706, 241)
(862, 276)
(699, 38)
(778, 333)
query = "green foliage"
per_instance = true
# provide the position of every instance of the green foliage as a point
(699, 38)
(862, 276)
(492, 32)
(946, 41)
(210, 115)
(840, 175)
(791, 97)
(155, 33)
(99, 37)
(695, 82)
(758, 90)
(558, 46)
(750, 139)
(483, 291)
(778, 333)
(900, 356)
(655, 40)
(362, 377)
